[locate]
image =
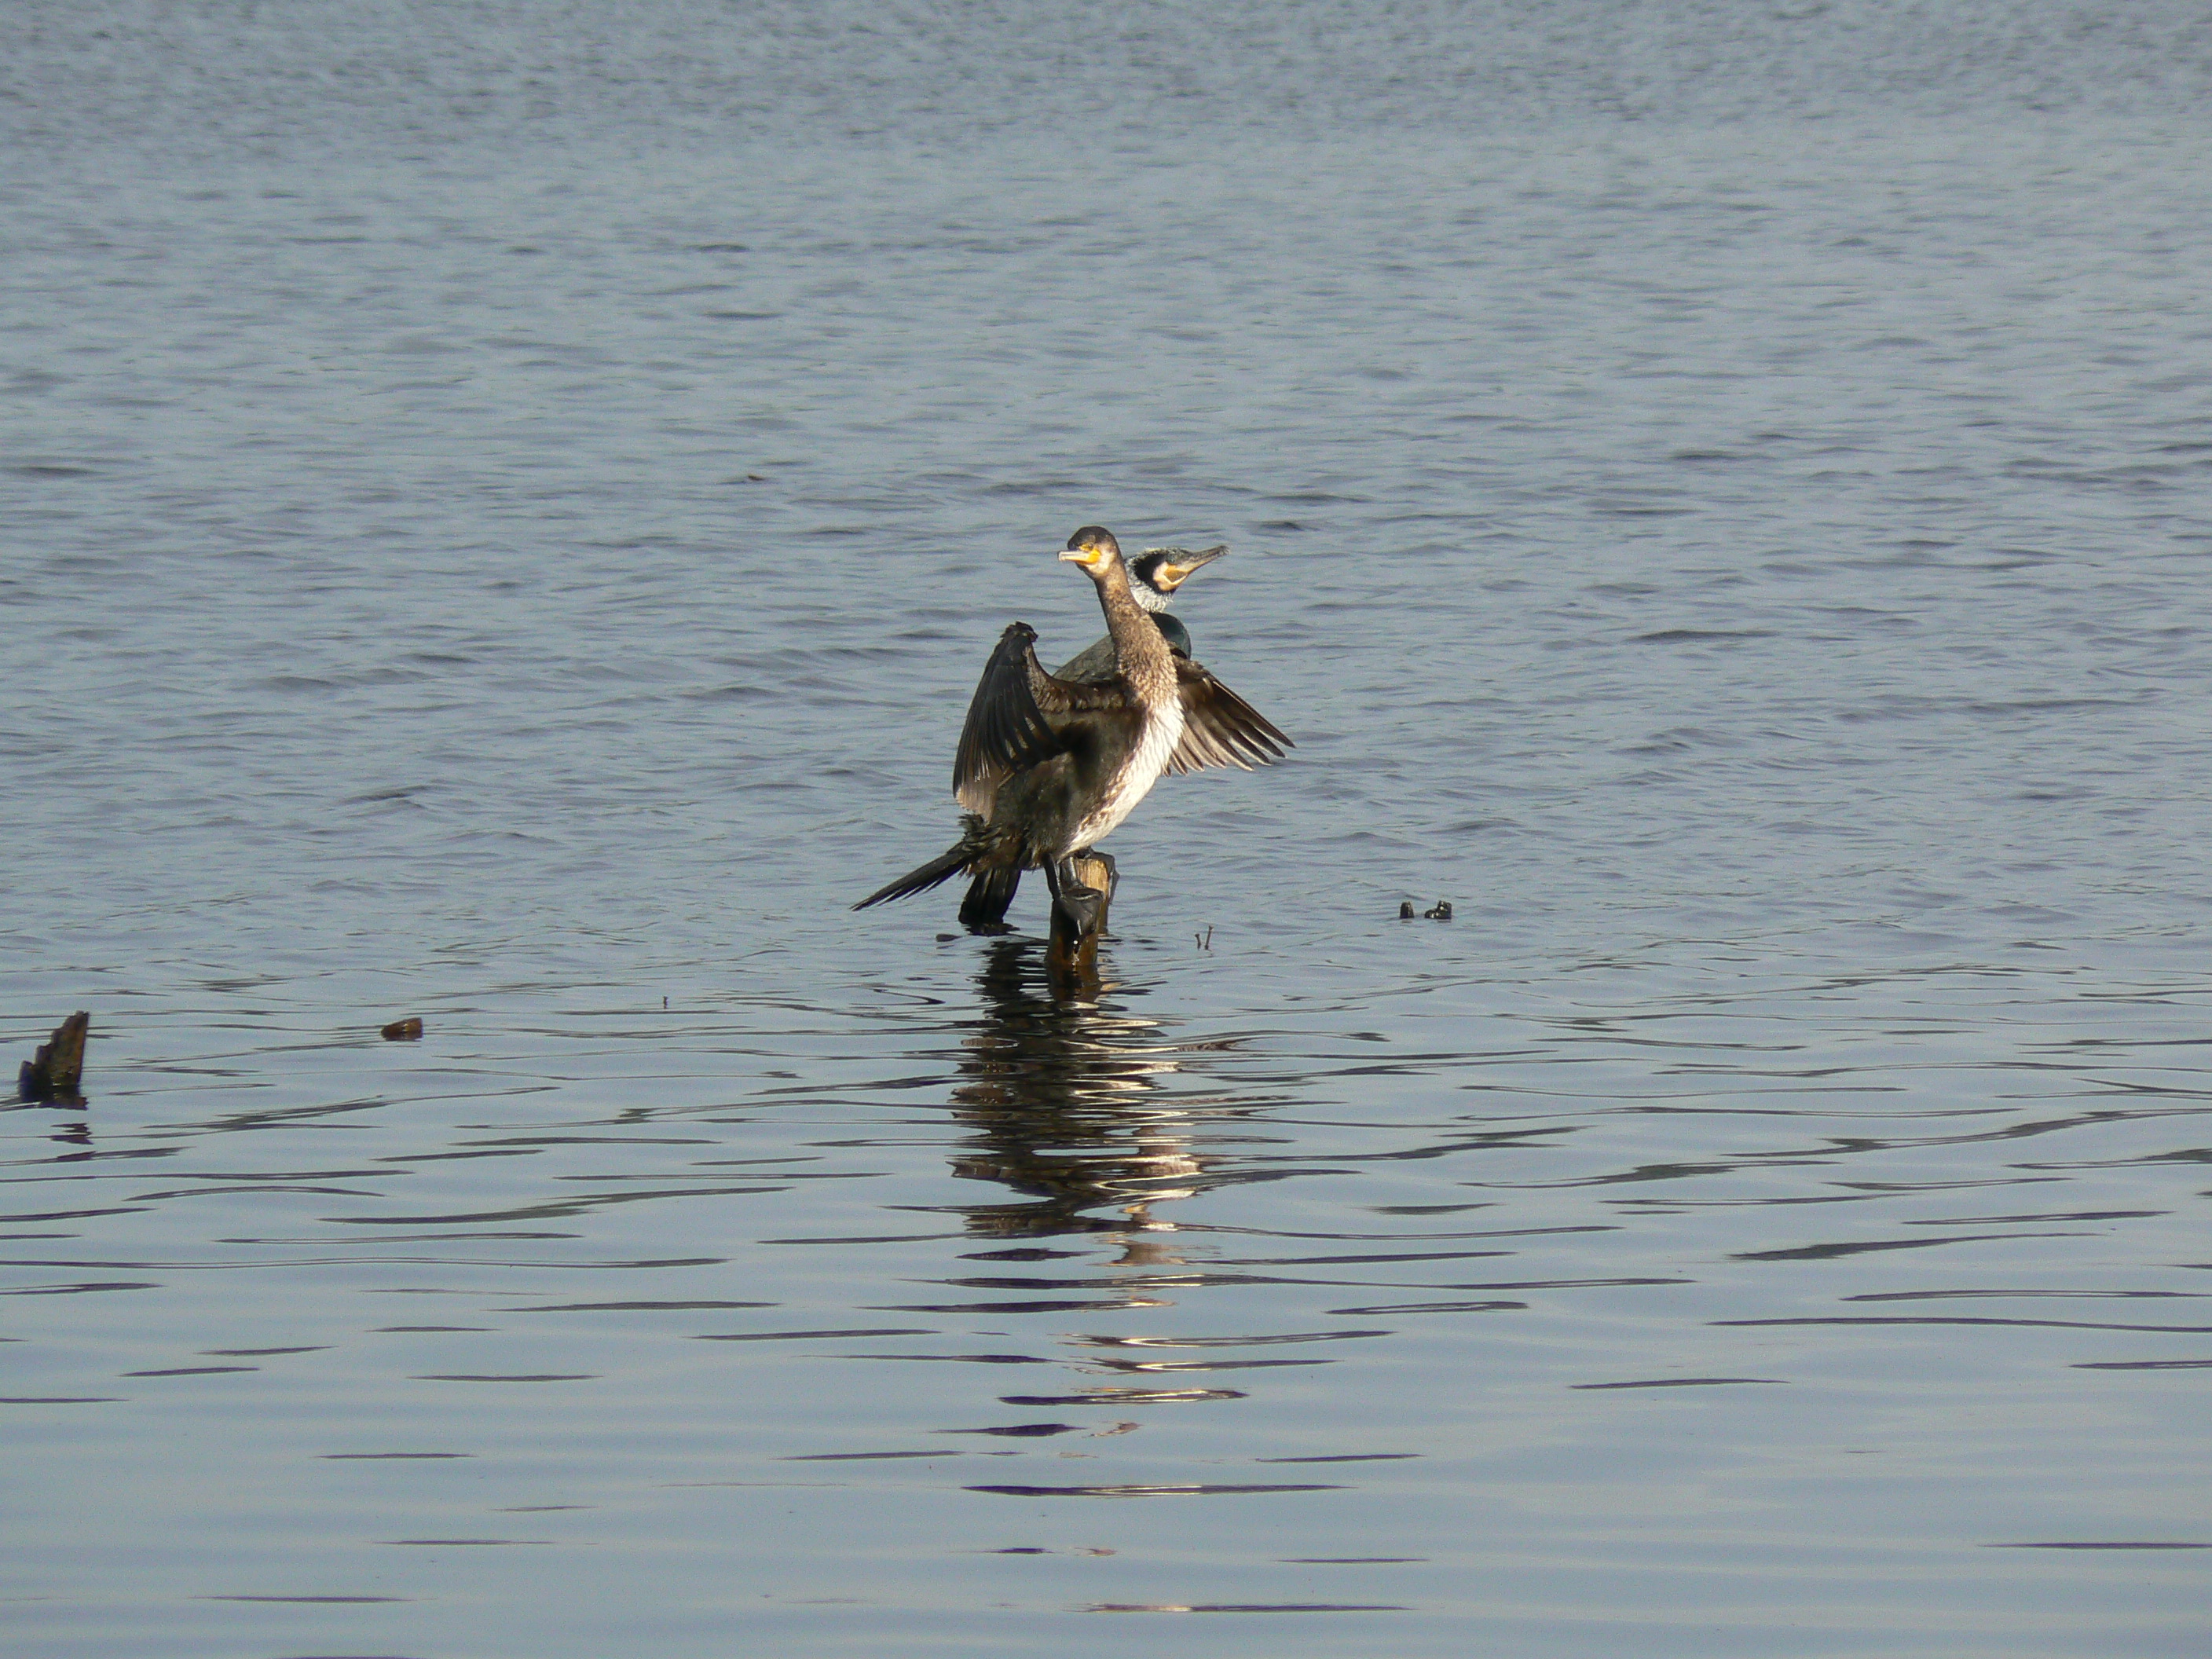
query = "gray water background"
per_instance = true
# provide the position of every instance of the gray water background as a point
(501, 508)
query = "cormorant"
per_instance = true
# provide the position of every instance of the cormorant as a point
(1154, 575)
(1047, 765)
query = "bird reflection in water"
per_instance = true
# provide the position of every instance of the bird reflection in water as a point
(1066, 1102)
(1068, 1105)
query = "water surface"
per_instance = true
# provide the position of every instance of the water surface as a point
(503, 514)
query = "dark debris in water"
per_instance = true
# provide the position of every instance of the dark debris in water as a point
(56, 1070)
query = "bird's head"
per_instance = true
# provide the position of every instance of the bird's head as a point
(1158, 571)
(1093, 549)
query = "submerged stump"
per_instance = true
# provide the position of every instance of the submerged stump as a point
(58, 1068)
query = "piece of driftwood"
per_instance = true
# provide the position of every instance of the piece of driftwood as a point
(404, 1031)
(58, 1068)
(1071, 959)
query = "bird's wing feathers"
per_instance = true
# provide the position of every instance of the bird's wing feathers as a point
(1006, 731)
(1219, 728)
(1018, 718)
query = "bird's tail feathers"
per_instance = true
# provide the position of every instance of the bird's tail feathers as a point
(960, 856)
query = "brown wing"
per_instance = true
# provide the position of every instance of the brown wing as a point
(1219, 728)
(1020, 716)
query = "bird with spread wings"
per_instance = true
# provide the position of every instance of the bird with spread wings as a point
(1047, 767)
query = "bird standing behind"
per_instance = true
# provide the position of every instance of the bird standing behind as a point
(1154, 576)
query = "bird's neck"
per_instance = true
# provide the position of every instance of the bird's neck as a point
(1173, 631)
(1140, 653)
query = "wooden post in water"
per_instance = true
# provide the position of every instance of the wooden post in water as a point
(1072, 961)
(58, 1068)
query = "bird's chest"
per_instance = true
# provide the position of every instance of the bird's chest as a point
(1132, 772)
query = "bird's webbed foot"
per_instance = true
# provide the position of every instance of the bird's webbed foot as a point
(1078, 904)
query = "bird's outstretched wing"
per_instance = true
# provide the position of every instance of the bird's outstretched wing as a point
(1020, 716)
(1219, 728)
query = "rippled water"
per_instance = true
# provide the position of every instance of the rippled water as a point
(503, 510)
